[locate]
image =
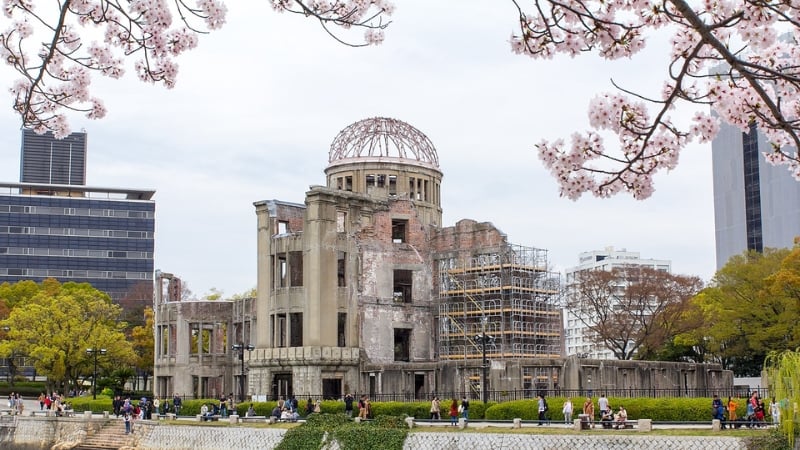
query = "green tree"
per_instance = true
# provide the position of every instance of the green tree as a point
(143, 341)
(783, 375)
(747, 311)
(54, 327)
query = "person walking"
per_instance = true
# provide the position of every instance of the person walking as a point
(567, 410)
(126, 417)
(435, 409)
(465, 408)
(542, 407)
(731, 409)
(454, 413)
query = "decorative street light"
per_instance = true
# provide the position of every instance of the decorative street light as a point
(241, 348)
(94, 352)
(484, 339)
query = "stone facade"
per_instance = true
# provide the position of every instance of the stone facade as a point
(362, 290)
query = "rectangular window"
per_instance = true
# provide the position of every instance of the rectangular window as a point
(339, 183)
(380, 180)
(282, 268)
(280, 338)
(370, 180)
(402, 338)
(348, 183)
(341, 258)
(296, 329)
(283, 227)
(412, 184)
(341, 326)
(399, 230)
(392, 184)
(296, 268)
(401, 291)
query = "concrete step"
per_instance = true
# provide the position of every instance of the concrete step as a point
(111, 436)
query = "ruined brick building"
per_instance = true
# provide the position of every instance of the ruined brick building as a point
(362, 290)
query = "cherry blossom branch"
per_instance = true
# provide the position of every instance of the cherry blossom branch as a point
(345, 14)
(756, 84)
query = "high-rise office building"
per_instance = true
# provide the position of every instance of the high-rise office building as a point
(71, 232)
(756, 204)
(53, 161)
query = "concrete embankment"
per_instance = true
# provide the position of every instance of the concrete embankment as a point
(35, 433)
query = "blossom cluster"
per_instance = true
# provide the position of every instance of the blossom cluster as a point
(366, 14)
(734, 55)
(56, 70)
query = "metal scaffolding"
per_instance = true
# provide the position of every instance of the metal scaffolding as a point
(509, 295)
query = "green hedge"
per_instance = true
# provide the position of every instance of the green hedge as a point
(25, 388)
(86, 403)
(384, 433)
(658, 409)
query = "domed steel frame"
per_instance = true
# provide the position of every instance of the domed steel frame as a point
(383, 137)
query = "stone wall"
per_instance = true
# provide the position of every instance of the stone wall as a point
(42, 433)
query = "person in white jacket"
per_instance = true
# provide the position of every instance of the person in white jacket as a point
(567, 410)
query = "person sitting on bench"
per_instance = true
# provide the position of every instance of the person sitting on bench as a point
(621, 417)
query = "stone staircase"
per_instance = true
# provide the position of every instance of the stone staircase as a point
(111, 436)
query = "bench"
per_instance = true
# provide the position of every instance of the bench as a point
(41, 412)
(252, 418)
(214, 418)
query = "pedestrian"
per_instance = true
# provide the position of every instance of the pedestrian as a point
(542, 408)
(775, 411)
(41, 401)
(718, 411)
(465, 408)
(127, 419)
(731, 409)
(348, 405)
(588, 410)
(177, 402)
(567, 410)
(454, 412)
(602, 403)
(435, 409)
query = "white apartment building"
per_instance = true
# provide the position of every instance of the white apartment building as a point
(576, 331)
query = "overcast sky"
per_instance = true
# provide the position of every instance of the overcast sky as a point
(257, 105)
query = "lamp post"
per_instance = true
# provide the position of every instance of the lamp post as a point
(11, 373)
(484, 339)
(241, 348)
(94, 352)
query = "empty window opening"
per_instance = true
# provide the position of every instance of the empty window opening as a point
(411, 187)
(341, 326)
(426, 195)
(401, 291)
(393, 184)
(282, 270)
(348, 183)
(402, 338)
(296, 268)
(283, 227)
(370, 180)
(380, 180)
(418, 190)
(296, 329)
(341, 275)
(399, 227)
(280, 328)
(339, 183)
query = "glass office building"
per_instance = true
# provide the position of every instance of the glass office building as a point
(103, 236)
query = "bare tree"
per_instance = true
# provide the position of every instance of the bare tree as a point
(625, 308)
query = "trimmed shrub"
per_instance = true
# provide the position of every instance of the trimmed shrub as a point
(658, 409)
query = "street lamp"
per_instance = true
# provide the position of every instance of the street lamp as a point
(94, 352)
(241, 348)
(12, 369)
(484, 339)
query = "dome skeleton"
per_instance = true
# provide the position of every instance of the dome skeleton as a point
(383, 137)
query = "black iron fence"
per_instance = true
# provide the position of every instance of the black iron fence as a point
(522, 394)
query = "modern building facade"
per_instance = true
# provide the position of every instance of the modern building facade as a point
(577, 335)
(72, 232)
(756, 204)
